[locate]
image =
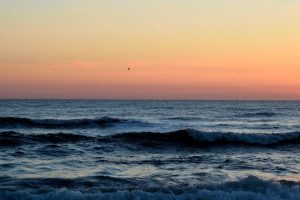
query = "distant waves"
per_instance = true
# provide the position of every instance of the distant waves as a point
(12, 122)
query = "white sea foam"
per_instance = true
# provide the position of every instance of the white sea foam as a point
(250, 188)
(262, 139)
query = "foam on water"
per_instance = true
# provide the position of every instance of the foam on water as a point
(249, 188)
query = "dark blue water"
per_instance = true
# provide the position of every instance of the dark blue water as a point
(63, 149)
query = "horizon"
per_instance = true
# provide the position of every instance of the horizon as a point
(86, 99)
(192, 50)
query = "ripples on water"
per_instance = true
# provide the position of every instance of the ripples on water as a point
(149, 149)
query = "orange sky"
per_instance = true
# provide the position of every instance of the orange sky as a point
(176, 50)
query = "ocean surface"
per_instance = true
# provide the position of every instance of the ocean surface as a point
(88, 149)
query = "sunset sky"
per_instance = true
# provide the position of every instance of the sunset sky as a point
(192, 49)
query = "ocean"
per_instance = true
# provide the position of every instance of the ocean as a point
(121, 149)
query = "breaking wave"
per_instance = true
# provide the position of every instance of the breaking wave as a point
(187, 137)
(249, 188)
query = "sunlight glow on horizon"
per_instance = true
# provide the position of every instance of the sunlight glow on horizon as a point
(225, 49)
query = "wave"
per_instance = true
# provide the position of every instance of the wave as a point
(259, 114)
(12, 138)
(12, 122)
(200, 138)
(187, 137)
(249, 188)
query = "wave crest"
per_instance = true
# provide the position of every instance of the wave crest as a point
(187, 137)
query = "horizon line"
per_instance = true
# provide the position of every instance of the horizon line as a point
(137, 99)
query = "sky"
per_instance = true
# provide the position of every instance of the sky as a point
(192, 49)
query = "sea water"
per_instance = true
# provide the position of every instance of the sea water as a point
(119, 149)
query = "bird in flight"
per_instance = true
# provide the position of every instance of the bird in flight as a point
(128, 68)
